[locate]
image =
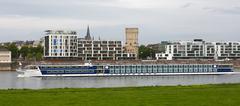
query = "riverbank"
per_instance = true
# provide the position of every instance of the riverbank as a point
(235, 63)
(5, 66)
(197, 95)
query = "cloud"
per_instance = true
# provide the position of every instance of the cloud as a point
(187, 5)
(225, 10)
(157, 19)
(22, 22)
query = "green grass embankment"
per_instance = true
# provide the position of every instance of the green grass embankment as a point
(199, 95)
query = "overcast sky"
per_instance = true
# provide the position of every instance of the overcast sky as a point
(157, 20)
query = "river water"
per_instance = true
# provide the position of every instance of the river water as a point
(9, 80)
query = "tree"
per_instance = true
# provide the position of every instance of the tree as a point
(39, 49)
(39, 56)
(32, 52)
(29, 56)
(145, 52)
(24, 51)
(14, 50)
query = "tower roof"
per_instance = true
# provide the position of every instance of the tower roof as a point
(88, 36)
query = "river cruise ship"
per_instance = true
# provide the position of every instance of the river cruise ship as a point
(124, 70)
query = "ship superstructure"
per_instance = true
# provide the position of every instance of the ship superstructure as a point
(124, 70)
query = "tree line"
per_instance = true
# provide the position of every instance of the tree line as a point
(26, 52)
(36, 53)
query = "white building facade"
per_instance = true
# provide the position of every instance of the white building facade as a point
(60, 44)
(5, 56)
(199, 49)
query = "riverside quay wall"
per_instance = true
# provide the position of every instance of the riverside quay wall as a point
(236, 63)
(5, 67)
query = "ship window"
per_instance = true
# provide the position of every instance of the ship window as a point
(33, 67)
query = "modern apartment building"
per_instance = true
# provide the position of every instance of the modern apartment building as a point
(102, 50)
(199, 49)
(60, 44)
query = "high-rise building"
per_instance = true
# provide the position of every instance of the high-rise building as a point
(60, 43)
(131, 45)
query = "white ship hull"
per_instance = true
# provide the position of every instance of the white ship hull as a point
(31, 74)
(123, 70)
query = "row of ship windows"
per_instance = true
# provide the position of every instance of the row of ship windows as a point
(166, 66)
(165, 69)
(160, 71)
(150, 69)
(69, 67)
(133, 67)
(133, 71)
(70, 71)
